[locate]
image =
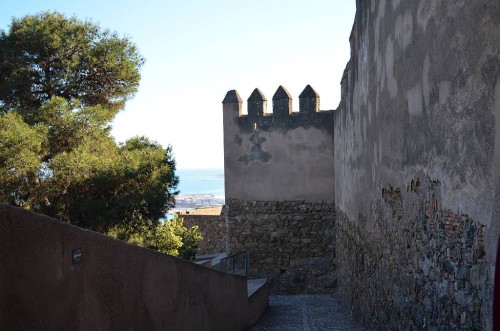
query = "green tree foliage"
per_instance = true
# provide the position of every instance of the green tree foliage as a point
(48, 55)
(21, 147)
(68, 166)
(170, 237)
(61, 83)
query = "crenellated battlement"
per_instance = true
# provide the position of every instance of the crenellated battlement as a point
(257, 104)
(282, 116)
(282, 102)
(264, 149)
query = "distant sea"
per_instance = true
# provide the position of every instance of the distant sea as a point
(201, 181)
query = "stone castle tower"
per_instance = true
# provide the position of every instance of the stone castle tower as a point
(394, 196)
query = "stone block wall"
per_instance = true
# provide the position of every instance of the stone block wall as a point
(291, 242)
(415, 263)
(212, 229)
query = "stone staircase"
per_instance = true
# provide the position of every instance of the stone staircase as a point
(210, 260)
(214, 261)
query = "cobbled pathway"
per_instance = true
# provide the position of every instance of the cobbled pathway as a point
(305, 312)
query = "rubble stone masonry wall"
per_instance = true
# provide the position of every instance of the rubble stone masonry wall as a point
(291, 242)
(414, 263)
(213, 230)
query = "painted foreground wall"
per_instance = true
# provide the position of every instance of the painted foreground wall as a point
(417, 155)
(115, 286)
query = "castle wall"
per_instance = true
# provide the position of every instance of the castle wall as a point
(290, 242)
(281, 155)
(213, 230)
(416, 158)
(279, 189)
(416, 149)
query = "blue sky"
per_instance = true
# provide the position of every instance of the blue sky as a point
(198, 50)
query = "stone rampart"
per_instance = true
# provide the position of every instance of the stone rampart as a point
(416, 181)
(291, 242)
(414, 170)
(416, 159)
(213, 230)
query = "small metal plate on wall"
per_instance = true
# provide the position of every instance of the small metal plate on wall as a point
(76, 255)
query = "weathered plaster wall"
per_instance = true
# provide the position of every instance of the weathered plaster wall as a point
(213, 230)
(420, 105)
(290, 242)
(115, 286)
(280, 155)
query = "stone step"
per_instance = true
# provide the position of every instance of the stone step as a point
(210, 260)
(253, 285)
